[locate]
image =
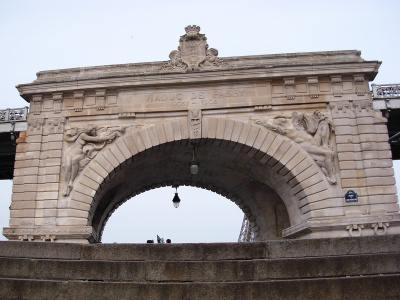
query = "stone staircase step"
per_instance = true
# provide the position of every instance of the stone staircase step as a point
(357, 287)
(201, 271)
(219, 251)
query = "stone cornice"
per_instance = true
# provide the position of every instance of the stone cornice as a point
(370, 68)
(238, 62)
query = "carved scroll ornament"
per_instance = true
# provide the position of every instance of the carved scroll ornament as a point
(311, 132)
(86, 142)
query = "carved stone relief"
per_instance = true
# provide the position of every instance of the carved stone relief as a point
(86, 142)
(195, 123)
(311, 132)
(193, 53)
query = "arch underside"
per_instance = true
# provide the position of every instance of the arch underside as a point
(265, 183)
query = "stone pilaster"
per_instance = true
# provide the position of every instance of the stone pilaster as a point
(26, 169)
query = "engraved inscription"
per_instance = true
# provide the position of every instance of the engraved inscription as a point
(200, 98)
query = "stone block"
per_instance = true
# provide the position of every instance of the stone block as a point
(229, 126)
(344, 139)
(130, 144)
(116, 153)
(73, 204)
(105, 164)
(378, 163)
(345, 174)
(93, 175)
(26, 171)
(54, 137)
(346, 130)
(257, 143)
(319, 187)
(90, 182)
(48, 187)
(25, 147)
(48, 178)
(23, 196)
(20, 205)
(50, 154)
(152, 131)
(347, 183)
(377, 181)
(82, 198)
(47, 195)
(370, 146)
(50, 162)
(160, 133)
(348, 147)
(272, 149)
(365, 121)
(296, 160)
(65, 212)
(146, 138)
(71, 221)
(22, 213)
(85, 190)
(54, 145)
(26, 163)
(237, 129)
(112, 162)
(327, 212)
(52, 170)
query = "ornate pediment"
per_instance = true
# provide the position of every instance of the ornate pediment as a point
(193, 53)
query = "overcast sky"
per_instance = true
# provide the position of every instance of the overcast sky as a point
(47, 35)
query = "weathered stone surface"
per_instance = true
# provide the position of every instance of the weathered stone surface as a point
(298, 125)
(357, 268)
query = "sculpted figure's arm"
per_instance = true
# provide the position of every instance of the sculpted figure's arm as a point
(273, 124)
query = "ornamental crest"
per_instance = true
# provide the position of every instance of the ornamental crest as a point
(193, 53)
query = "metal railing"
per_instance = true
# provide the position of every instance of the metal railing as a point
(13, 115)
(386, 91)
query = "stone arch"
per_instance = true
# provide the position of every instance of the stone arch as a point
(281, 165)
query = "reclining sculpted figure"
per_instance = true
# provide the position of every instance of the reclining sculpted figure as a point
(86, 145)
(311, 132)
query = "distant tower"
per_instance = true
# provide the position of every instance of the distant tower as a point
(246, 234)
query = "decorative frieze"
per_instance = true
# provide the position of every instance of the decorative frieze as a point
(54, 125)
(35, 125)
(337, 85)
(359, 81)
(290, 91)
(36, 104)
(100, 99)
(78, 101)
(313, 86)
(340, 107)
(363, 105)
(57, 100)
